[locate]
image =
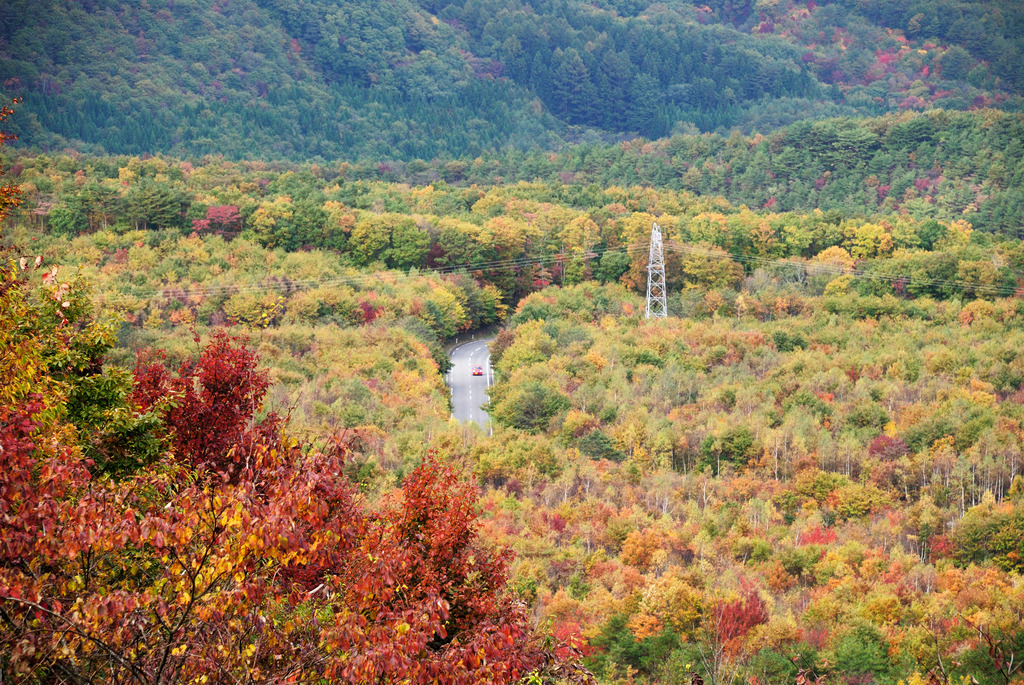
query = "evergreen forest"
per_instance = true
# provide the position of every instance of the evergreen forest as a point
(424, 79)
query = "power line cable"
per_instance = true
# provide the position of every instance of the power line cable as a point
(826, 268)
(356, 280)
(268, 284)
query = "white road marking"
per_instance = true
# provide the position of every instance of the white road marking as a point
(470, 353)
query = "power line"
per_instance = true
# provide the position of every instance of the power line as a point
(356, 280)
(361, 280)
(834, 269)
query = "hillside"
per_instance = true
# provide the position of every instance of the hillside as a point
(341, 79)
(242, 243)
(849, 463)
(167, 245)
(813, 467)
(936, 165)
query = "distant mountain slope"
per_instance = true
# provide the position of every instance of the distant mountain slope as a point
(936, 164)
(357, 79)
(199, 76)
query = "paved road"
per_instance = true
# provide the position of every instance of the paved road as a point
(469, 391)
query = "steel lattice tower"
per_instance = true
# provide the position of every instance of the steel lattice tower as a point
(657, 300)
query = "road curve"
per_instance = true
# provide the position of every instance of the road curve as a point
(469, 391)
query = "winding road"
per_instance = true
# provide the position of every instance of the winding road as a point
(469, 391)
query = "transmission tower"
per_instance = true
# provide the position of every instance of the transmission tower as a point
(657, 301)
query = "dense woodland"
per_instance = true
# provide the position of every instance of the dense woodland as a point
(933, 165)
(238, 239)
(813, 469)
(346, 79)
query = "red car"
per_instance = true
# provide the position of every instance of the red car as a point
(478, 371)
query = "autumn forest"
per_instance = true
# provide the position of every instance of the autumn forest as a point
(240, 241)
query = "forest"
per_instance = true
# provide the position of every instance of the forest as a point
(935, 165)
(810, 472)
(424, 79)
(240, 239)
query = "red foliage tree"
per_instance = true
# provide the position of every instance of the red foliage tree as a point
(225, 217)
(887, 448)
(570, 635)
(211, 404)
(723, 630)
(735, 619)
(818, 536)
(369, 311)
(222, 219)
(435, 591)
